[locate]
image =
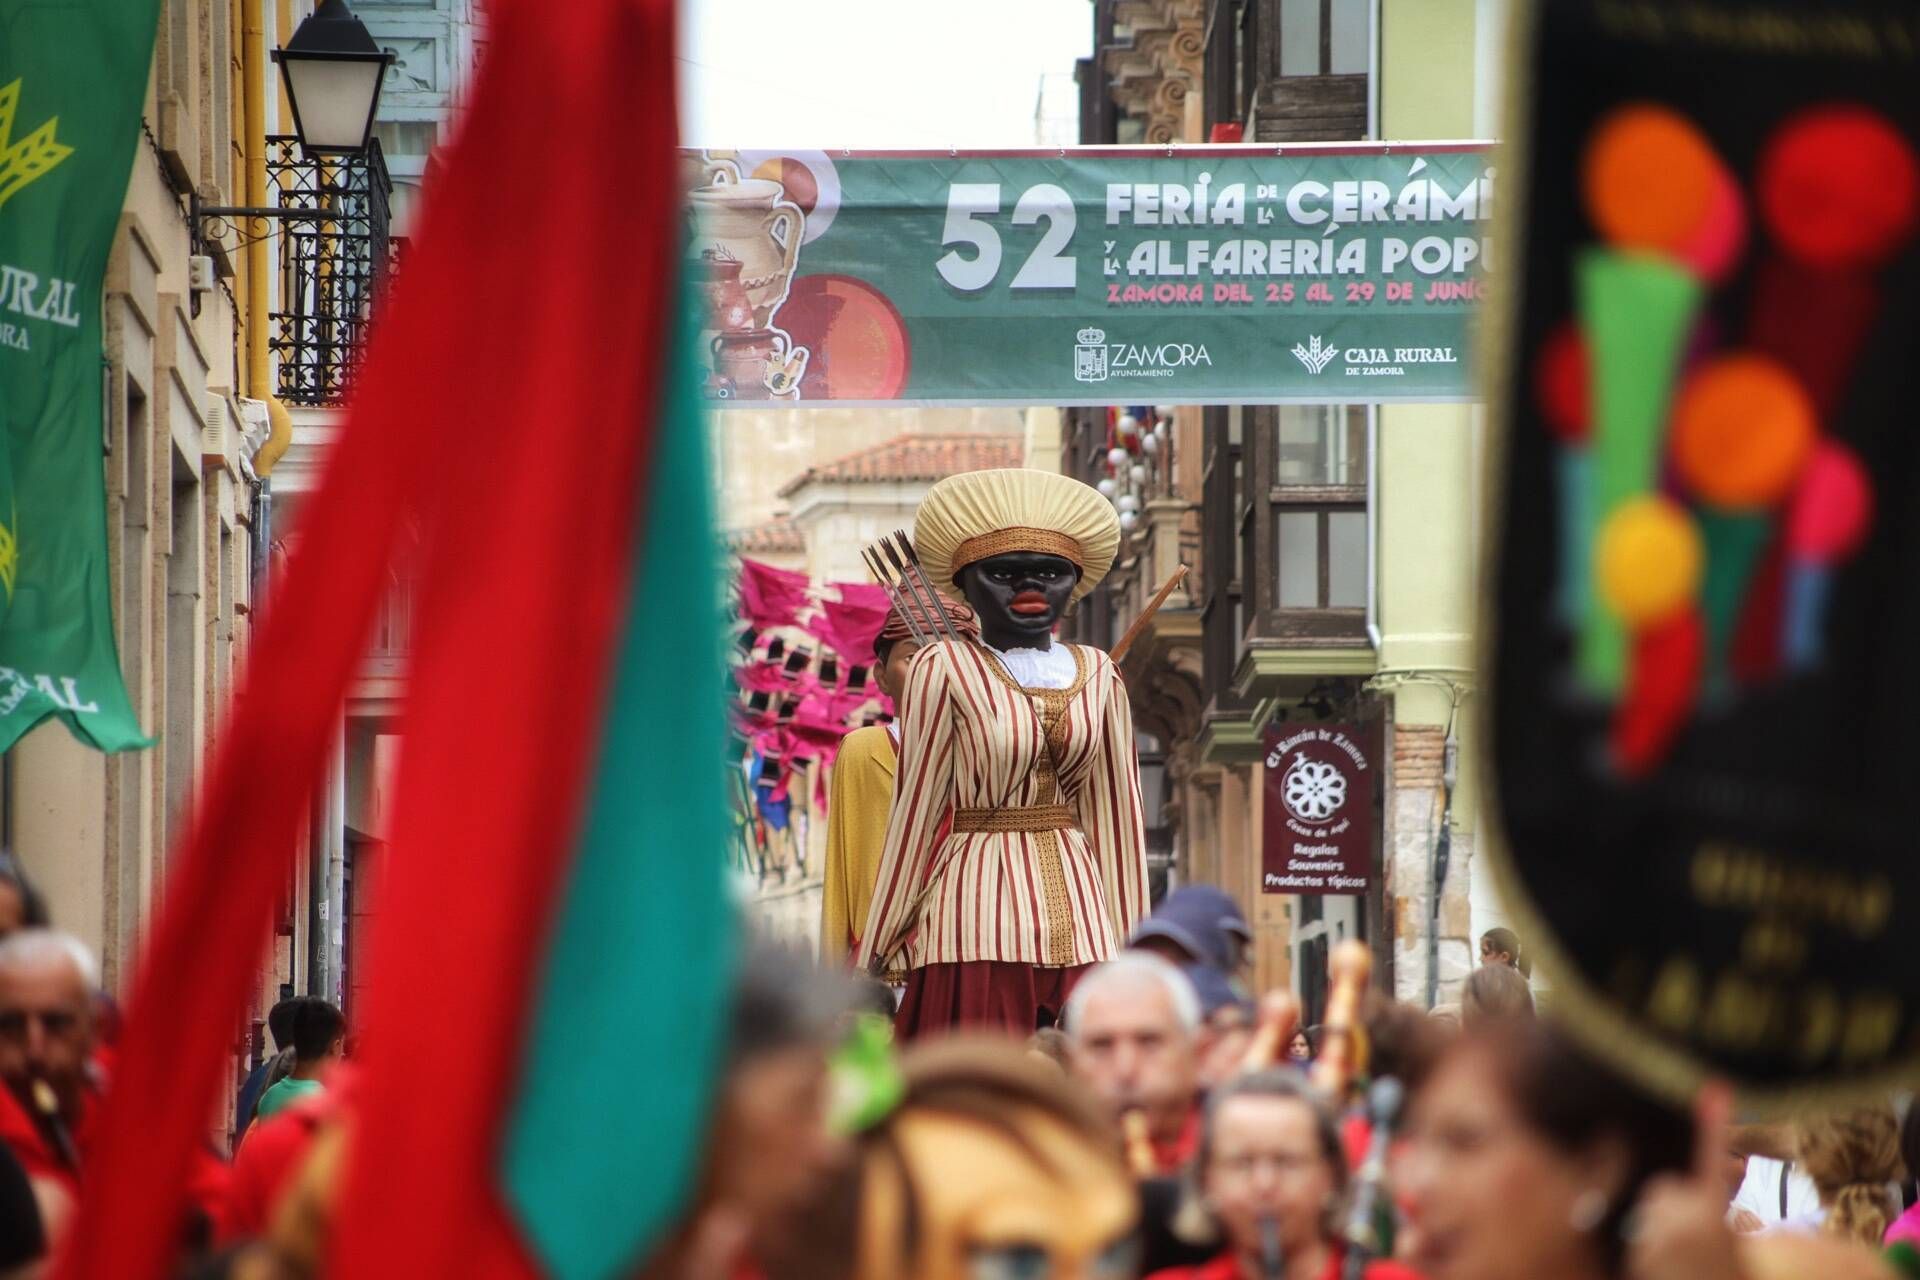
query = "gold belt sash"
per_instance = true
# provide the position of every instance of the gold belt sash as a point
(1039, 817)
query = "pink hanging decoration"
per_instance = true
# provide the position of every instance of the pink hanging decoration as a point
(864, 595)
(771, 597)
(849, 627)
(763, 676)
(843, 707)
(1832, 508)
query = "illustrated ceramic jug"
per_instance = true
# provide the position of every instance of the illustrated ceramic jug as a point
(728, 308)
(751, 220)
(743, 360)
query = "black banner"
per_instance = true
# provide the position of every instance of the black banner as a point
(1705, 573)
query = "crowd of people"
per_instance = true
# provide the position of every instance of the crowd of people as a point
(1009, 1064)
(1157, 1133)
(1168, 1126)
(58, 1029)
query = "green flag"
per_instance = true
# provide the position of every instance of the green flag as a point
(73, 74)
(602, 1146)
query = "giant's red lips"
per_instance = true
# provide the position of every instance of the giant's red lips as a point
(1031, 603)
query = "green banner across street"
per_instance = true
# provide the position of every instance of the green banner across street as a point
(1323, 273)
(72, 77)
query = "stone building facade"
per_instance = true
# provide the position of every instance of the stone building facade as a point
(1385, 498)
(434, 44)
(761, 451)
(183, 423)
(209, 454)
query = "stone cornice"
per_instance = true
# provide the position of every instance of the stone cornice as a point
(1151, 76)
(1261, 665)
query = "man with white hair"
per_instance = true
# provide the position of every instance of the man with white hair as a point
(47, 981)
(1135, 1026)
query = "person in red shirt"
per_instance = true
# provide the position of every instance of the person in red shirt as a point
(52, 1073)
(46, 1053)
(1272, 1175)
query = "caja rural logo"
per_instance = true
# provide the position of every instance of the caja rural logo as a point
(1316, 353)
(1095, 359)
(21, 163)
(30, 158)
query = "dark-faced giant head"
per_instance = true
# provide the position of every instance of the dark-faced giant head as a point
(1019, 596)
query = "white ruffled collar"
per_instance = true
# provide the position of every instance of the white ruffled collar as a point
(1050, 668)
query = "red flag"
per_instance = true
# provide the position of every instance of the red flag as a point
(508, 398)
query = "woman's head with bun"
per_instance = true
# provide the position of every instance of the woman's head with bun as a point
(1502, 947)
(1853, 1157)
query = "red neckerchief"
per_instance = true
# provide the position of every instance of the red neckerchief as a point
(1172, 1157)
(1227, 1267)
(28, 1141)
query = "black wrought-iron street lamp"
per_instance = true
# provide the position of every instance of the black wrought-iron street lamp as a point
(333, 71)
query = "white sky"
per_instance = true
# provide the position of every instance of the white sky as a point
(766, 74)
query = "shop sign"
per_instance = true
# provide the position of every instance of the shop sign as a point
(1319, 811)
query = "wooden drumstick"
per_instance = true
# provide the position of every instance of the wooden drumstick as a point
(1351, 967)
(47, 1104)
(1274, 1025)
(1140, 1157)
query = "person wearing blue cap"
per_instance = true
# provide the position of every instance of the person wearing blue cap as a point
(1200, 929)
(1197, 924)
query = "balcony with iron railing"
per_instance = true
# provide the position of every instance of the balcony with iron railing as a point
(335, 256)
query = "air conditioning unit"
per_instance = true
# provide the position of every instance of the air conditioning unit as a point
(200, 273)
(220, 428)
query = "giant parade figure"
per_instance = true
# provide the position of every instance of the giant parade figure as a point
(1026, 743)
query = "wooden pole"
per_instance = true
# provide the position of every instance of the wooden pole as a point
(1119, 651)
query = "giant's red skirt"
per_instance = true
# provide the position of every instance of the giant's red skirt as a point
(984, 995)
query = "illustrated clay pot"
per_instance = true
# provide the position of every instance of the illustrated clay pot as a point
(698, 170)
(744, 359)
(728, 308)
(752, 222)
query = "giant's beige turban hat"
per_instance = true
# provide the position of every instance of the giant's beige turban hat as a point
(978, 514)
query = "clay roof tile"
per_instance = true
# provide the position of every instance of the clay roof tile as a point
(914, 457)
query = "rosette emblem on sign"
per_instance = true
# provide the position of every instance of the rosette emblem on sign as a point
(1313, 790)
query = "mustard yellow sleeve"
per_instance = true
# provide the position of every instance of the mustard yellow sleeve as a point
(836, 939)
(859, 796)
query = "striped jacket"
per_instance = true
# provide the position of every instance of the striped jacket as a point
(1064, 878)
